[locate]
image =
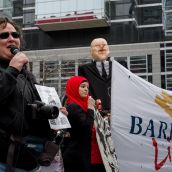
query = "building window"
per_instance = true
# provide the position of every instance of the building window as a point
(28, 18)
(28, 3)
(152, 34)
(19, 22)
(162, 61)
(138, 64)
(120, 10)
(169, 81)
(122, 61)
(150, 78)
(149, 15)
(168, 4)
(17, 8)
(149, 60)
(68, 68)
(49, 69)
(6, 8)
(49, 73)
(168, 21)
(168, 60)
(163, 82)
(5, 3)
(142, 66)
(148, 1)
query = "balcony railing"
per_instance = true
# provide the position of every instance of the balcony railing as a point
(70, 14)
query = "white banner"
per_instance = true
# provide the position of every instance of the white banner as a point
(141, 123)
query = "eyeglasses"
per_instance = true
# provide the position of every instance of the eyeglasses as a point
(5, 35)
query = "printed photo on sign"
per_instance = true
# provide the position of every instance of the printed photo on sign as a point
(49, 96)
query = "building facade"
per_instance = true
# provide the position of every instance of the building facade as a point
(58, 33)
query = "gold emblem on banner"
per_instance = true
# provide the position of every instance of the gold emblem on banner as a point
(164, 100)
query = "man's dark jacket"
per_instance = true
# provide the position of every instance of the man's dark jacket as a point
(100, 88)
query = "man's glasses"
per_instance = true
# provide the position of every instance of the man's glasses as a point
(5, 35)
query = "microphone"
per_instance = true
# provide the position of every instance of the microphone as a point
(14, 50)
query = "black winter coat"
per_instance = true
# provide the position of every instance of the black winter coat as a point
(16, 91)
(77, 155)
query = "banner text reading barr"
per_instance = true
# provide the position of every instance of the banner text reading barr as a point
(141, 123)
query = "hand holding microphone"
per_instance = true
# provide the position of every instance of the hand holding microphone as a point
(19, 60)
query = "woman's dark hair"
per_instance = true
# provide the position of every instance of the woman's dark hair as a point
(3, 24)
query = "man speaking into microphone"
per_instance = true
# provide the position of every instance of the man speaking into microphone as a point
(20, 125)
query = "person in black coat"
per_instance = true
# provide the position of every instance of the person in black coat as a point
(98, 72)
(20, 125)
(80, 107)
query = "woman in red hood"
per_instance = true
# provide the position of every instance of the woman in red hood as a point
(80, 107)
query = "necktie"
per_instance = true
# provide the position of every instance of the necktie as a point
(104, 74)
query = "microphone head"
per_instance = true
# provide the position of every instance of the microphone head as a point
(14, 50)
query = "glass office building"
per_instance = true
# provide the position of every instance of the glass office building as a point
(57, 35)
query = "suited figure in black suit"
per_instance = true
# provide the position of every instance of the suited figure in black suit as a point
(98, 73)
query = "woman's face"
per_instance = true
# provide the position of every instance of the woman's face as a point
(83, 89)
(8, 37)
